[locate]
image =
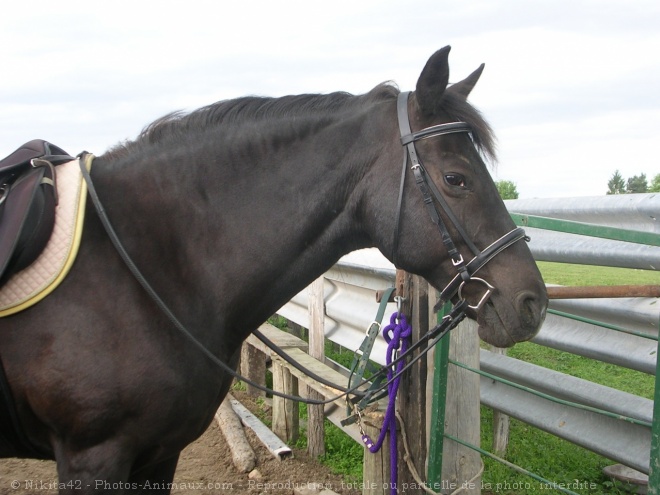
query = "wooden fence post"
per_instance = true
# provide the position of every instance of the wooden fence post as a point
(315, 414)
(411, 401)
(462, 465)
(500, 421)
(253, 367)
(286, 413)
(375, 467)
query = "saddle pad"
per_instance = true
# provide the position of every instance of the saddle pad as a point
(31, 285)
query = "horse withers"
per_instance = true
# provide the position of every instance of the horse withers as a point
(229, 211)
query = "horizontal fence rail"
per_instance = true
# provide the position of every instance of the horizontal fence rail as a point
(591, 230)
(631, 212)
(603, 344)
(611, 436)
(624, 211)
(584, 250)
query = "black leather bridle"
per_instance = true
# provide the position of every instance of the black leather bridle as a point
(432, 197)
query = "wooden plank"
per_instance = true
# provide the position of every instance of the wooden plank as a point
(317, 367)
(315, 426)
(283, 339)
(285, 412)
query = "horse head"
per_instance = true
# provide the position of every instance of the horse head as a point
(467, 228)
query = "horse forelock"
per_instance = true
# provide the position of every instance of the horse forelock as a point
(459, 110)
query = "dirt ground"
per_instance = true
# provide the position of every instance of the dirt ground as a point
(205, 467)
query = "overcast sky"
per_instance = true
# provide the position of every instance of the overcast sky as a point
(571, 86)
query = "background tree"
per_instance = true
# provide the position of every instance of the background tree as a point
(507, 189)
(637, 184)
(616, 184)
(655, 184)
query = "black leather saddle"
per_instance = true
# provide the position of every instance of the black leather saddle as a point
(28, 197)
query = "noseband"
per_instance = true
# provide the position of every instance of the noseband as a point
(432, 197)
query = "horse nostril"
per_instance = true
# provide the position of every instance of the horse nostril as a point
(531, 309)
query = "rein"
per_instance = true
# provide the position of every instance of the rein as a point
(135, 271)
(396, 366)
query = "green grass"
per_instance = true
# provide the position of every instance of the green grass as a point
(545, 455)
(343, 455)
(574, 275)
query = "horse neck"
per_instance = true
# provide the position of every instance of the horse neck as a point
(244, 224)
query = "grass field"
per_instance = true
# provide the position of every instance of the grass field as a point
(573, 275)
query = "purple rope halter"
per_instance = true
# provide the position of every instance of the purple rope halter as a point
(396, 342)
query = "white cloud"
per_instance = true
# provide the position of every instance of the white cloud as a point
(570, 87)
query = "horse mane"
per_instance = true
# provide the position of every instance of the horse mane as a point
(175, 126)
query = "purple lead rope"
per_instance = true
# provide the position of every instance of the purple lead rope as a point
(397, 342)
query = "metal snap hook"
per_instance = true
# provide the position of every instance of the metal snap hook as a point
(399, 302)
(484, 298)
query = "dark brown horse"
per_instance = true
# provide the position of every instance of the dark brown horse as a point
(229, 212)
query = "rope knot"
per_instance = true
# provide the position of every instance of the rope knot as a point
(396, 334)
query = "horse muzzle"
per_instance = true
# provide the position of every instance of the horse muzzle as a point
(503, 323)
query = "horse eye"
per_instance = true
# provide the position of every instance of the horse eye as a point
(456, 180)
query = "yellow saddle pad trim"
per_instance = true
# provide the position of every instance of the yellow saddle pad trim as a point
(34, 283)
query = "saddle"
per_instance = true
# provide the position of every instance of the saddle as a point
(28, 198)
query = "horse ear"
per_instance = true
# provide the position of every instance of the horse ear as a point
(433, 81)
(464, 87)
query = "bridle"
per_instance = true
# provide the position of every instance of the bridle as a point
(430, 194)
(432, 197)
